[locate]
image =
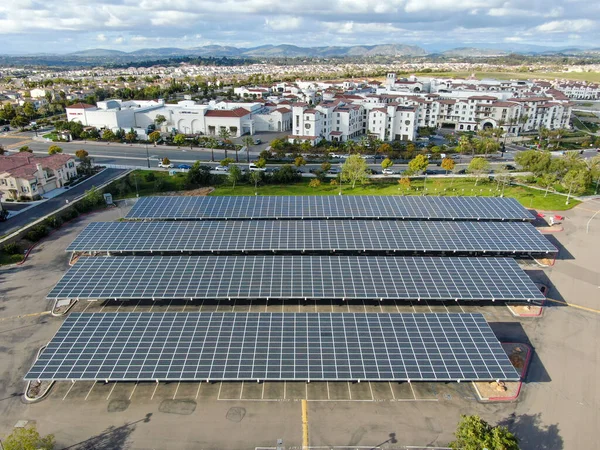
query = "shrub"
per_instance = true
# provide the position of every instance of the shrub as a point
(315, 183)
(12, 249)
(70, 214)
(150, 177)
(36, 233)
(54, 222)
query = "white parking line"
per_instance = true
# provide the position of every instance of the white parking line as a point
(430, 310)
(397, 307)
(332, 306)
(371, 389)
(71, 387)
(154, 391)
(201, 305)
(364, 305)
(461, 308)
(219, 394)
(184, 305)
(242, 391)
(306, 389)
(169, 305)
(381, 306)
(90, 391)
(413, 391)
(136, 305)
(176, 389)
(392, 389)
(111, 391)
(133, 390)
(328, 396)
(349, 391)
(87, 306)
(284, 389)
(262, 395)
(198, 391)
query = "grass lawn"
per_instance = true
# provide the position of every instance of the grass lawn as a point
(147, 182)
(530, 198)
(52, 136)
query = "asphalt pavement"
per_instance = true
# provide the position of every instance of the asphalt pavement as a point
(51, 205)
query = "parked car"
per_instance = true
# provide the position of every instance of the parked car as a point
(388, 172)
(5, 128)
(165, 166)
(254, 168)
(509, 167)
(334, 171)
(184, 167)
(257, 141)
(222, 169)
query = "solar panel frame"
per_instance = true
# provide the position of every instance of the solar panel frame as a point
(328, 207)
(512, 238)
(274, 347)
(296, 277)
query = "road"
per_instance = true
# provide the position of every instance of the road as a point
(53, 204)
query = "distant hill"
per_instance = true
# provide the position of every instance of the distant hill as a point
(463, 52)
(97, 52)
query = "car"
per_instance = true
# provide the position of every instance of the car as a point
(184, 167)
(371, 171)
(254, 168)
(5, 128)
(166, 166)
(388, 172)
(334, 171)
(222, 168)
(462, 171)
(509, 167)
(257, 141)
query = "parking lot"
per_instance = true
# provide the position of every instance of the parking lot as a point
(558, 407)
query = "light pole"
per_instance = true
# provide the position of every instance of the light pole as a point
(137, 194)
(147, 155)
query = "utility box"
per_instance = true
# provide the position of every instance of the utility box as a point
(108, 199)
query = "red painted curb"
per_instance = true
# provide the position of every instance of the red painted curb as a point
(523, 373)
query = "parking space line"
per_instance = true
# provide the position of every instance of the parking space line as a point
(266, 304)
(392, 389)
(284, 389)
(219, 394)
(154, 391)
(176, 389)
(87, 306)
(413, 391)
(364, 306)
(136, 305)
(111, 391)
(152, 305)
(242, 391)
(328, 396)
(198, 391)
(103, 306)
(332, 310)
(461, 308)
(282, 310)
(413, 307)
(348, 305)
(119, 307)
(201, 304)
(349, 391)
(381, 306)
(169, 305)
(72, 384)
(133, 390)
(447, 310)
(262, 395)
(429, 306)
(316, 306)
(371, 389)
(184, 305)
(306, 391)
(90, 391)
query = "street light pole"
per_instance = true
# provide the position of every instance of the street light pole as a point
(147, 156)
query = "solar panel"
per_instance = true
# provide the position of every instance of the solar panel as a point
(296, 277)
(273, 346)
(513, 238)
(329, 207)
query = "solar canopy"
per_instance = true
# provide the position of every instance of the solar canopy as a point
(273, 346)
(296, 277)
(329, 207)
(312, 235)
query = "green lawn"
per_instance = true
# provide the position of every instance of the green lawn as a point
(530, 198)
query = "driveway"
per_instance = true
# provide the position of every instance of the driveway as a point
(53, 204)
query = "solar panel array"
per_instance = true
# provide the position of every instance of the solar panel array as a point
(296, 277)
(273, 346)
(312, 235)
(329, 207)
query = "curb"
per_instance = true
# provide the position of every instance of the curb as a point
(26, 398)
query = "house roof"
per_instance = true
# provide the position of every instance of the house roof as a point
(336, 133)
(24, 165)
(237, 112)
(80, 106)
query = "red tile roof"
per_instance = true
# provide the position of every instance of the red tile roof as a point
(22, 165)
(80, 106)
(238, 112)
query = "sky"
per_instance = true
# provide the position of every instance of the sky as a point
(63, 26)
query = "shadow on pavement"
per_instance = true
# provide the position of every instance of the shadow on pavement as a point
(532, 433)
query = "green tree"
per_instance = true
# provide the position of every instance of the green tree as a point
(29, 110)
(198, 175)
(154, 137)
(108, 135)
(448, 164)
(405, 183)
(224, 134)
(315, 183)
(226, 162)
(179, 140)
(248, 143)
(28, 438)
(299, 161)
(465, 146)
(478, 166)
(235, 175)
(534, 161)
(54, 149)
(418, 164)
(354, 169)
(131, 136)
(576, 181)
(19, 121)
(326, 166)
(8, 112)
(387, 163)
(384, 149)
(474, 433)
(261, 163)
(212, 144)
(255, 178)
(547, 180)
(25, 148)
(159, 120)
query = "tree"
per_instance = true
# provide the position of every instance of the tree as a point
(478, 166)
(326, 166)
(19, 121)
(179, 140)
(474, 433)
(384, 149)
(315, 183)
(1, 149)
(547, 180)
(576, 181)
(404, 182)
(25, 148)
(224, 134)
(154, 137)
(212, 143)
(465, 146)
(131, 136)
(28, 438)
(387, 163)
(166, 161)
(235, 175)
(29, 110)
(54, 149)
(248, 142)
(355, 169)
(108, 135)
(448, 164)
(159, 120)
(261, 163)
(502, 178)
(418, 164)
(255, 178)
(226, 162)
(198, 175)
(534, 161)
(299, 161)
(81, 154)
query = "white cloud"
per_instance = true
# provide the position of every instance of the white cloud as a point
(566, 26)
(101, 38)
(119, 40)
(284, 23)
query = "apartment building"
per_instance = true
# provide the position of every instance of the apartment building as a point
(25, 175)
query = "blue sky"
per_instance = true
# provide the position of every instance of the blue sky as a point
(53, 26)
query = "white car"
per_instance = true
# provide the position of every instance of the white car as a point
(254, 168)
(388, 172)
(222, 169)
(166, 166)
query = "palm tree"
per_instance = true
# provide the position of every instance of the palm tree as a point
(523, 119)
(248, 142)
(224, 134)
(212, 143)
